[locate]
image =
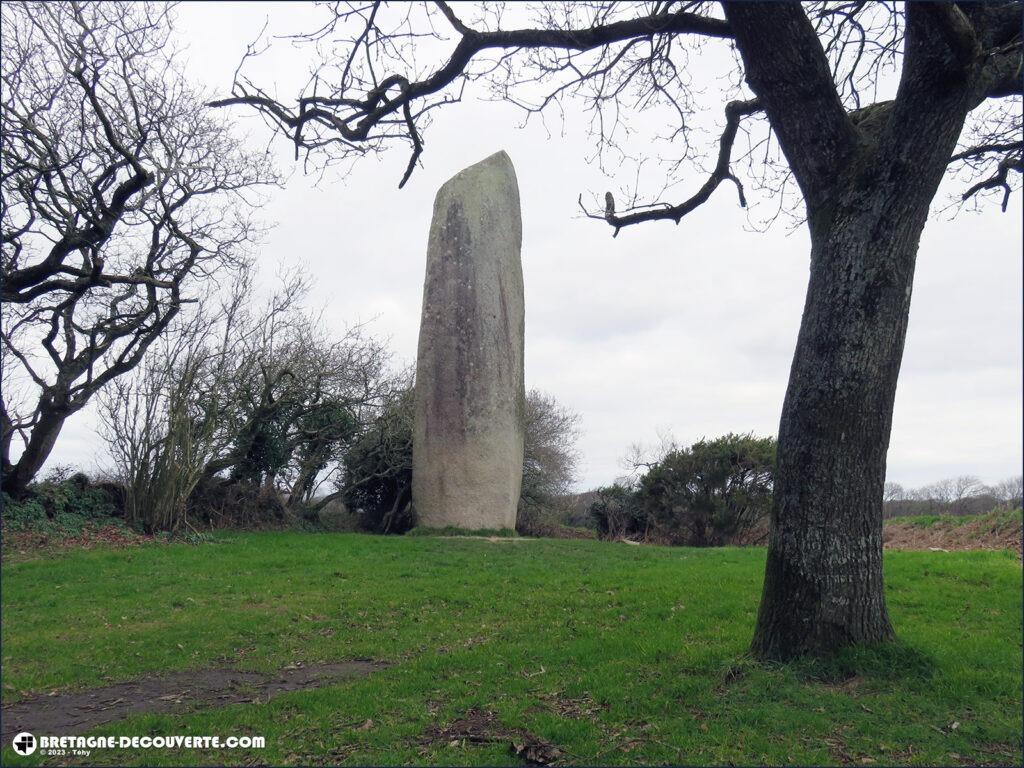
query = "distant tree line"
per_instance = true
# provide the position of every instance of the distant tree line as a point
(963, 495)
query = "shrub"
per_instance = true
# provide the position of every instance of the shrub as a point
(618, 513)
(377, 483)
(549, 465)
(704, 495)
(710, 492)
(220, 502)
(66, 505)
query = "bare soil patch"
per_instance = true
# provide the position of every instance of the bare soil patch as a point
(580, 708)
(480, 726)
(25, 544)
(70, 714)
(985, 532)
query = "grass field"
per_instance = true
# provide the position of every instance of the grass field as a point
(610, 653)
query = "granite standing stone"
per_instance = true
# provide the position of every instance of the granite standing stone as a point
(470, 398)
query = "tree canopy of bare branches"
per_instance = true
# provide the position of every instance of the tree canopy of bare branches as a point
(122, 193)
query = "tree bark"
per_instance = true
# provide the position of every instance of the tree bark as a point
(823, 579)
(18, 475)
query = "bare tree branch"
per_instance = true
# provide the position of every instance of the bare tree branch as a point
(734, 112)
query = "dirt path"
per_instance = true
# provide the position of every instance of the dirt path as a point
(70, 714)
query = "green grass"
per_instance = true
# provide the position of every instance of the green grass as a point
(928, 521)
(646, 644)
(451, 530)
(996, 517)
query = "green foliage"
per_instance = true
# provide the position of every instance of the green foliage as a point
(328, 426)
(704, 495)
(263, 448)
(618, 513)
(63, 507)
(377, 480)
(707, 493)
(281, 431)
(67, 500)
(615, 654)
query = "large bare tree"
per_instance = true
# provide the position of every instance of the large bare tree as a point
(122, 193)
(867, 170)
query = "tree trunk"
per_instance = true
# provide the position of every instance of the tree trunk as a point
(6, 438)
(44, 434)
(823, 579)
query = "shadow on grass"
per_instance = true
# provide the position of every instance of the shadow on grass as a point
(881, 662)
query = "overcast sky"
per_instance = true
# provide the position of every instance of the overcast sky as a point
(685, 330)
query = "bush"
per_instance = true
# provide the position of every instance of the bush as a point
(704, 495)
(74, 496)
(218, 502)
(549, 465)
(618, 513)
(377, 483)
(336, 518)
(66, 505)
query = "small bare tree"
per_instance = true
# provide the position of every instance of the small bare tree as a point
(550, 454)
(549, 460)
(965, 487)
(122, 194)
(159, 442)
(894, 492)
(163, 422)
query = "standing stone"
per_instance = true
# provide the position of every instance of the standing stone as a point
(470, 401)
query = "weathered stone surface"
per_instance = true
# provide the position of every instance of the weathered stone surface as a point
(468, 438)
